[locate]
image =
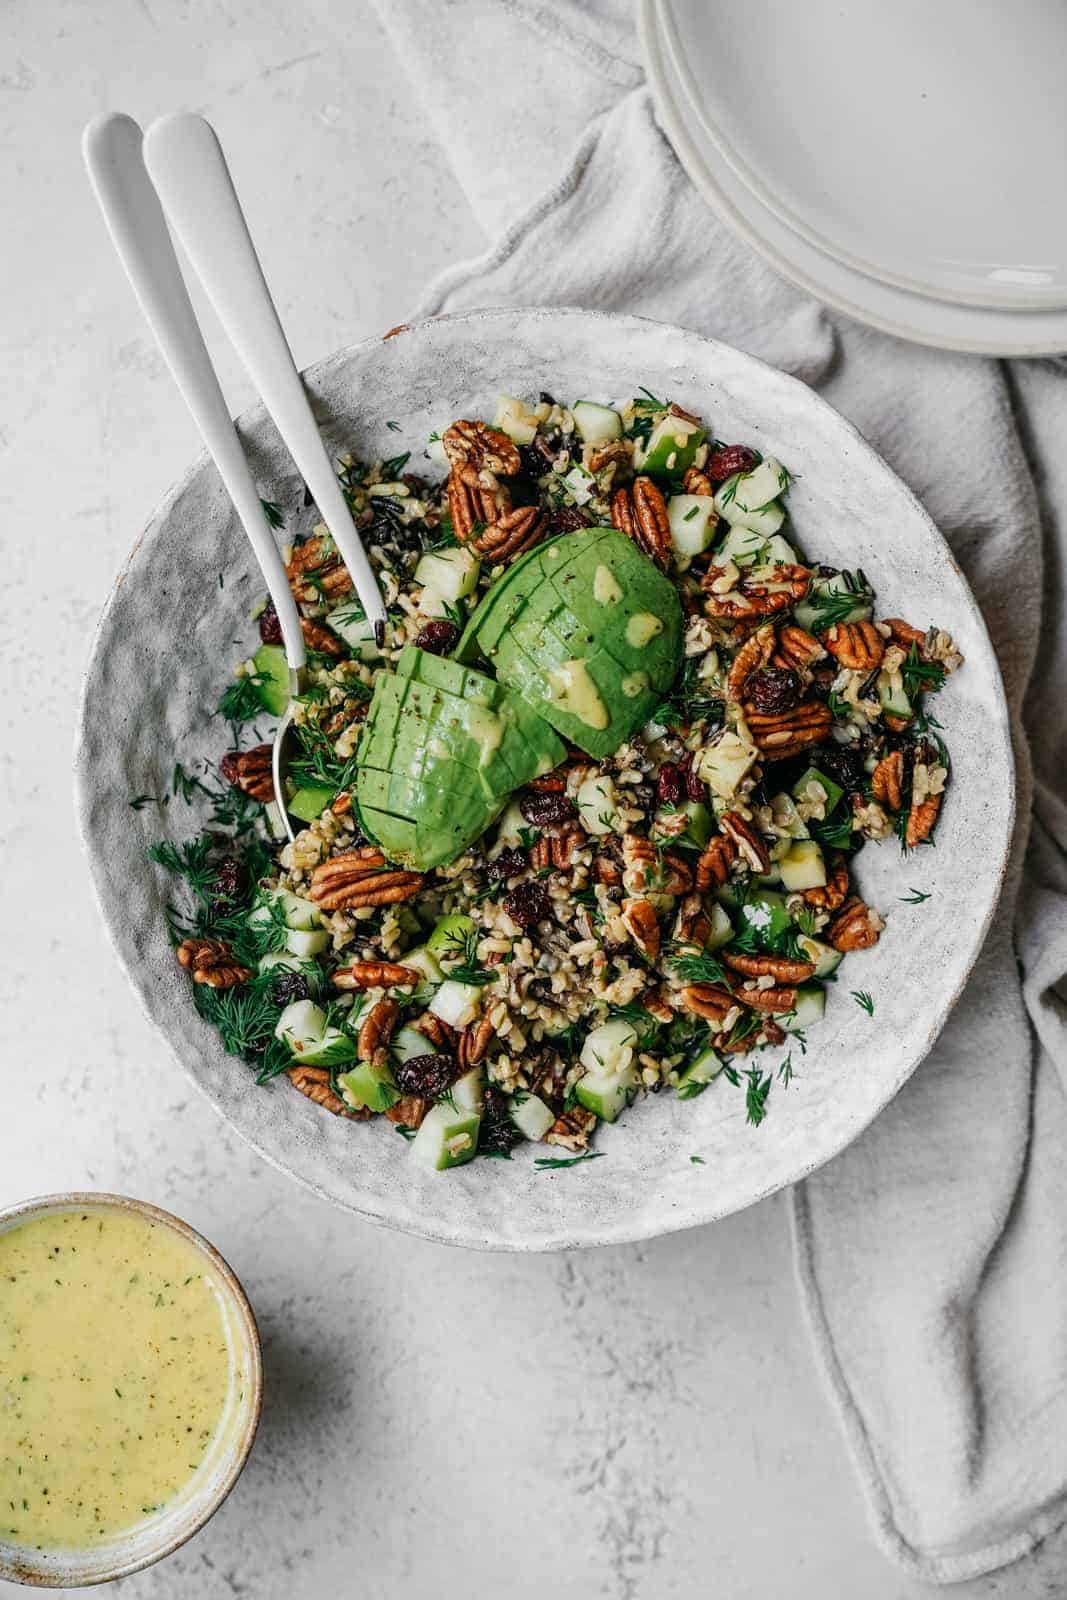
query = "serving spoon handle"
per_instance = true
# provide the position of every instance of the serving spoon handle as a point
(112, 146)
(189, 170)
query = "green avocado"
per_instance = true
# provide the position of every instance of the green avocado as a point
(588, 631)
(443, 748)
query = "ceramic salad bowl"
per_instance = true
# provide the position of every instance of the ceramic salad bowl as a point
(176, 621)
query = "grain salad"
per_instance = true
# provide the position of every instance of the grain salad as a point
(582, 827)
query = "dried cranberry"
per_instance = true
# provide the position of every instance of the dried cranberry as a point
(541, 810)
(722, 464)
(229, 767)
(426, 1076)
(772, 690)
(497, 1135)
(290, 986)
(670, 785)
(528, 904)
(270, 628)
(536, 458)
(695, 788)
(565, 519)
(508, 864)
(841, 763)
(437, 638)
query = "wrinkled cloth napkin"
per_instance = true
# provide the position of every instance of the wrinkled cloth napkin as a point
(931, 1254)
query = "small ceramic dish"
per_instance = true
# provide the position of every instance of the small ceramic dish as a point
(179, 618)
(222, 1464)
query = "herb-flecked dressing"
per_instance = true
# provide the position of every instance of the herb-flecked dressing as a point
(115, 1374)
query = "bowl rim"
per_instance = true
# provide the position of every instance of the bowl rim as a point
(630, 1226)
(24, 1568)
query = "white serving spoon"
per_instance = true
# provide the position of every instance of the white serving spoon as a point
(190, 175)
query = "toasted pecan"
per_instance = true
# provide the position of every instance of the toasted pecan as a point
(572, 1129)
(320, 639)
(376, 1030)
(754, 653)
(750, 845)
(887, 780)
(831, 894)
(211, 962)
(251, 771)
(921, 820)
(696, 481)
(855, 927)
(473, 1042)
(714, 865)
(361, 877)
(778, 999)
(784, 968)
(473, 507)
(314, 1082)
(409, 1111)
(754, 597)
(786, 733)
(512, 534)
(855, 645)
(375, 975)
(709, 1001)
(480, 454)
(640, 512)
(641, 923)
(439, 1033)
(797, 648)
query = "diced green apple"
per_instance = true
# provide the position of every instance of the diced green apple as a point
(825, 957)
(350, 623)
(447, 1138)
(369, 1085)
(609, 1049)
(531, 1116)
(672, 444)
(516, 419)
(598, 805)
(802, 867)
(809, 1008)
(457, 1003)
(307, 943)
(448, 940)
(605, 1094)
(694, 1078)
(452, 574)
(301, 1025)
(723, 764)
(693, 520)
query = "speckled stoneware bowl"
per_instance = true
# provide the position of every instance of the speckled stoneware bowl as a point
(225, 1459)
(165, 649)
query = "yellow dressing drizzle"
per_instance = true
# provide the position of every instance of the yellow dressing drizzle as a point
(573, 690)
(116, 1374)
(642, 627)
(606, 589)
(634, 683)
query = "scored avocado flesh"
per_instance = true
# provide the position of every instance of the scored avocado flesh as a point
(570, 654)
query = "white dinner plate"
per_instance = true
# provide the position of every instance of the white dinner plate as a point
(687, 102)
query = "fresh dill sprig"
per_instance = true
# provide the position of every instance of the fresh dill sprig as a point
(557, 1163)
(757, 1091)
(243, 699)
(836, 605)
(864, 1001)
(189, 861)
(469, 969)
(914, 897)
(392, 468)
(273, 513)
(921, 677)
(690, 700)
(187, 784)
(138, 802)
(690, 966)
(245, 1016)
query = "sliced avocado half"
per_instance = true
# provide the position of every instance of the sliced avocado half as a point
(587, 630)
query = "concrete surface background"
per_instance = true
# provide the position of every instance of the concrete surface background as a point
(638, 1423)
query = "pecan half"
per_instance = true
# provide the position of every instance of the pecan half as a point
(788, 732)
(250, 771)
(314, 1082)
(409, 1111)
(693, 924)
(541, 853)
(472, 505)
(856, 926)
(709, 1001)
(887, 780)
(315, 571)
(904, 634)
(797, 648)
(572, 1129)
(714, 865)
(856, 645)
(784, 968)
(619, 451)
(375, 975)
(361, 878)
(696, 481)
(316, 637)
(640, 512)
(439, 1033)
(473, 1042)
(376, 1030)
(646, 868)
(777, 999)
(564, 845)
(831, 894)
(640, 921)
(896, 724)
(341, 805)
(212, 962)
(755, 597)
(511, 535)
(754, 653)
(921, 819)
(479, 453)
(656, 1004)
(750, 846)
(606, 870)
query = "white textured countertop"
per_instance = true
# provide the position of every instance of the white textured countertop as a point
(638, 1423)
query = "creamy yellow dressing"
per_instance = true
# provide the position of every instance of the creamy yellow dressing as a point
(573, 690)
(642, 627)
(486, 729)
(634, 683)
(116, 1374)
(606, 588)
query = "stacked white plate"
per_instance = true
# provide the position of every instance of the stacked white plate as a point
(903, 163)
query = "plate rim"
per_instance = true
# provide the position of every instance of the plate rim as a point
(772, 201)
(575, 1230)
(692, 160)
